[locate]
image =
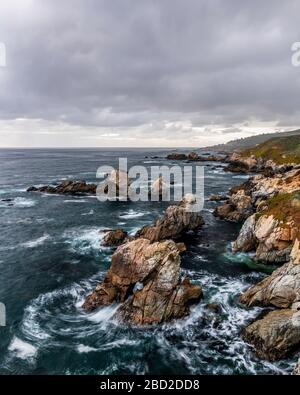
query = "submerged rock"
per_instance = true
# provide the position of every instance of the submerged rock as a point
(176, 221)
(67, 187)
(275, 336)
(146, 279)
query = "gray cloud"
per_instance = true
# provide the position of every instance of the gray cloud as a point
(139, 69)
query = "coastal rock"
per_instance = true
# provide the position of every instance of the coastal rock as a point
(114, 238)
(275, 336)
(177, 156)
(280, 289)
(116, 184)
(146, 278)
(176, 221)
(272, 232)
(237, 208)
(67, 187)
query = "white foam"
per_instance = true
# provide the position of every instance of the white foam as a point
(132, 214)
(23, 202)
(81, 348)
(22, 349)
(36, 242)
(85, 240)
(104, 314)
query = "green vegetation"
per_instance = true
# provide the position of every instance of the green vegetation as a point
(282, 150)
(284, 207)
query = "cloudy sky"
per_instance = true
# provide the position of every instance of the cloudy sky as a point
(85, 73)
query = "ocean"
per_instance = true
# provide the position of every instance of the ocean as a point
(51, 257)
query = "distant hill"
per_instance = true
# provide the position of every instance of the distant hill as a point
(280, 149)
(252, 141)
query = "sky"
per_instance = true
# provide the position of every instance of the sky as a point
(146, 73)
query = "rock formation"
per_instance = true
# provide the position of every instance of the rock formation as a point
(176, 221)
(67, 187)
(145, 278)
(280, 289)
(276, 335)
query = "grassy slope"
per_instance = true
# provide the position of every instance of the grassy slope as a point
(284, 207)
(281, 150)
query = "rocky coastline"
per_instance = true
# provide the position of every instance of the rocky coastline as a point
(145, 277)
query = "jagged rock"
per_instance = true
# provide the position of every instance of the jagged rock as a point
(273, 231)
(193, 156)
(114, 238)
(275, 336)
(280, 289)
(176, 221)
(67, 187)
(146, 278)
(237, 208)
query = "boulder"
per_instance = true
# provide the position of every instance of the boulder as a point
(276, 335)
(114, 238)
(145, 278)
(280, 289)
(218, 198)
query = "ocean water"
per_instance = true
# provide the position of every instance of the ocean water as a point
(51, 258)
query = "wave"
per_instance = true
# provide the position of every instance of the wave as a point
(85, 240)
(36, 242)
(132, 214)
(75, 201)
(22, 349)
(19, 202)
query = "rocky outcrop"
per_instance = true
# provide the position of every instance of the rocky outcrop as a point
(252, 195)
(271, 232)
(281, 289)
(237, 208)
(194, 157)
(145, 278)
(114, 238)
(67, 187)
(276, 335)
(177, 156)
(176, 221)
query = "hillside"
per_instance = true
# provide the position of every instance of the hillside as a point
(252, 141)
(280, 150)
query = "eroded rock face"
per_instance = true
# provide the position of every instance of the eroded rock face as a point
(237, 208)
(114, 238)
(176, 221)
(275, 336)
(280, 289)
(145, 278)
(271, 238)
(67, 187)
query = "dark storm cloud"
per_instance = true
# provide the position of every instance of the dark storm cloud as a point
(125, 63)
